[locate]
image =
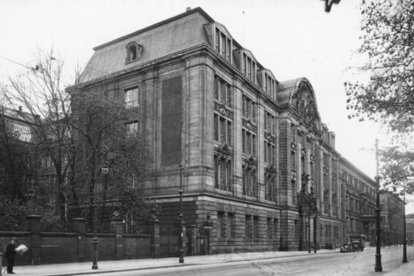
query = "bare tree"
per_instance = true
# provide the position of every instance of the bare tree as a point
(85, 134)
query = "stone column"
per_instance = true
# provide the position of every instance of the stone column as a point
(79, 226)
(117, 227)
(34, 229)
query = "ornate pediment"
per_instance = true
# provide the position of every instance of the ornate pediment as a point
(304, 104)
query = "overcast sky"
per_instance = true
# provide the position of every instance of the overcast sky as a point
(292, 38)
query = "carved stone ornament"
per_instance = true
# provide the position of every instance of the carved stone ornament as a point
(225, 149)
(293, 146)
(221, 108)
(304, 105)
(249, 125)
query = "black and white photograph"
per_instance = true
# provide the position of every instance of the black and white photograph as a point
(207, 137)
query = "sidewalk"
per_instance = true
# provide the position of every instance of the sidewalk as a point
(84, 268)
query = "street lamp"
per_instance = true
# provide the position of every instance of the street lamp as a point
(181, 218)
(95, 225)
(404, 260)
(378, 266)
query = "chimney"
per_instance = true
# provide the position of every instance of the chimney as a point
(20, 109)
(188, 9)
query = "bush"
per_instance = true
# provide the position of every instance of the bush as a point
(12, 215)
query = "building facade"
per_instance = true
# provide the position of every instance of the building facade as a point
(392, 218)
(251, 152)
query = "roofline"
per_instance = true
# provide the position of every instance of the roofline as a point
(198, 9)
(353, 167)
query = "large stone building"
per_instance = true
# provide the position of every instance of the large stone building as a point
(256, 158)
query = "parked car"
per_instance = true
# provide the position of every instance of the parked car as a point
(355, 243)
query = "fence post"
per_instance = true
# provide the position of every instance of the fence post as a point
(155, 238)
(34, 229)
(117, 226)
(79, 225)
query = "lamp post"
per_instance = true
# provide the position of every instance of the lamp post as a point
(95, 225)
(404, 260)
(378, 266)
(181, 218)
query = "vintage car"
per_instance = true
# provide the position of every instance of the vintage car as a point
(355, 243)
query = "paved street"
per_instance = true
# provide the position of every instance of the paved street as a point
(323, 264)
(326, 262)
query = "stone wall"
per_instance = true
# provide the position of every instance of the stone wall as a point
(55, 247)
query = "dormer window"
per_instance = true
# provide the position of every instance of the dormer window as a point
(223, 44)
(249, 67)
(133, 52)
(269, 85)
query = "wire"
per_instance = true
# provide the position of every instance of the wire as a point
(18, 63)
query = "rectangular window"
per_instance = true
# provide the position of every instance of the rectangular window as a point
(132, 128)
(231, 225)
(222, 129)
(249, 182)
(228, 51)
(223, 45)
(248, 227)
(275, 228)
(256, 227)
(222, 92)
(223, 173)
(216, 171)
(269, 224)
(221, 225)
(217, 41)
(131, 98)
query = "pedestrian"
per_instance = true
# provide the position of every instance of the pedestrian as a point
(10, 254)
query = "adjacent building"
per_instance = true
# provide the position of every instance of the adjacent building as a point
(392, 218)
(251, 151)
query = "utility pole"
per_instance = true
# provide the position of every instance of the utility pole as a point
(378, 265)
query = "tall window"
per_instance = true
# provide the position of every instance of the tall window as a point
(249, 142)
(223, 173)
(223, 92)
(256, 227)
(249, 181)
(222, 129)
(132, 98)
(248, 227)
(270, 186)
(269, 224)
(249, 68)
(231, 225)
(221, 225)
(275, 227)
(249, 109)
